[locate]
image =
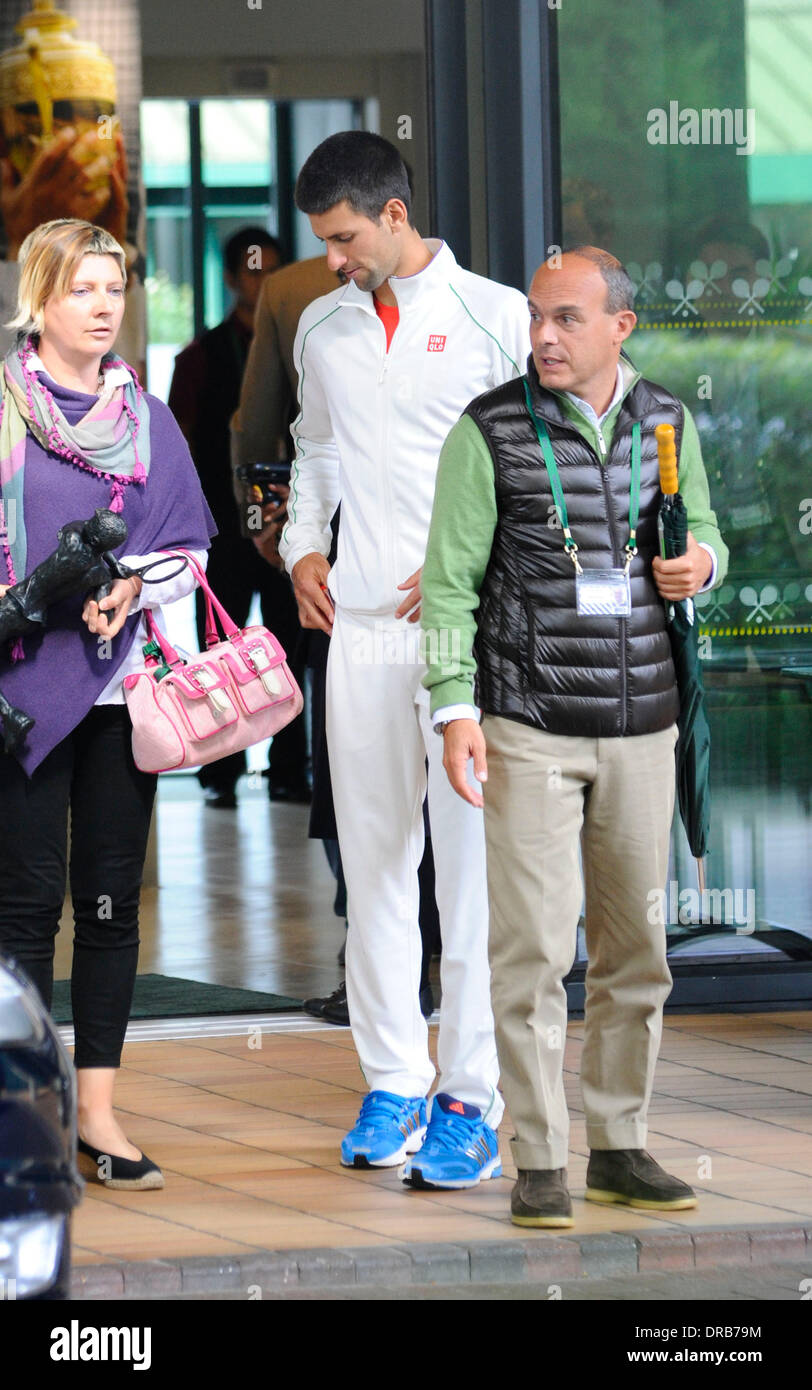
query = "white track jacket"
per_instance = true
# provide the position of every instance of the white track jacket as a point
(371, 423)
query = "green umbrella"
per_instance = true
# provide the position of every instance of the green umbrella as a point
(693, 747)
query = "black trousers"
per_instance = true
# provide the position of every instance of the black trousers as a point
(236, 572)
(90, 776)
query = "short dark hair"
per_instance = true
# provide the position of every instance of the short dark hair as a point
(620, 287)
(235, 248)
(356, 167)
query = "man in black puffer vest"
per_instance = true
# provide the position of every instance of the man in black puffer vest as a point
(543, 580)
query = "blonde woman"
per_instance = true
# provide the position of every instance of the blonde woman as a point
(77, 433)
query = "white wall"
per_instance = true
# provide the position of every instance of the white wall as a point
(281, 28)
(307, 49)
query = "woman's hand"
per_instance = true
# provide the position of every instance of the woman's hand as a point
(4, 588)
(108, 617)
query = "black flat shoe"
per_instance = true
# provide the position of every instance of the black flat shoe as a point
(300, 792)
(123, 1174)
(333, 1009)
(220, 798)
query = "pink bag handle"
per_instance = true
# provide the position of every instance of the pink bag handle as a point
(154, 633)
(213, 604)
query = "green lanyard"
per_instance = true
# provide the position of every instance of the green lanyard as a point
(558, 493)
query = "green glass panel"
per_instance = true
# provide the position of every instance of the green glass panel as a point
(236, 143)
(687, 151)
(165, 143)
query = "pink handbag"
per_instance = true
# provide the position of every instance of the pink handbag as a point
(238, 692)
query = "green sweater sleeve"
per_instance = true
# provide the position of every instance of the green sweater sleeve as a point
(459, 546)
(693, 485)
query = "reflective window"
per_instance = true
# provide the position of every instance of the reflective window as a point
(312, 122)
(237, 143)
(167, 176)
(227, 149)
(687, 150)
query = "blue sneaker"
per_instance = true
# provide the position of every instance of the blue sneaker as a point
(459, 1149)
(388, 1128)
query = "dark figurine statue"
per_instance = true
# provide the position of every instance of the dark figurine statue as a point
(81, 563)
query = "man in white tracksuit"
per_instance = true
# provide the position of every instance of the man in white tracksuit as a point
(386, 365)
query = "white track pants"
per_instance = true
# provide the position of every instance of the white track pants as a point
(379, 733)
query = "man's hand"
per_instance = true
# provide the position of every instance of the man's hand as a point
(274, 518)
(267, 543)
(683, 576)
(277, 511)
(310, 587)
(108, 617)
(413, 597)
(463, 739)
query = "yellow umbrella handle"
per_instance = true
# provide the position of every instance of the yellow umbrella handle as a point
(667, 459)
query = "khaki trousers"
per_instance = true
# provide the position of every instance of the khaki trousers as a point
(545, 793)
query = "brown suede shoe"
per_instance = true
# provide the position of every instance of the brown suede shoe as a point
(631, 1178)
(540, 1198)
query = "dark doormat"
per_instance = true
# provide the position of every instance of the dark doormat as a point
(166, 996)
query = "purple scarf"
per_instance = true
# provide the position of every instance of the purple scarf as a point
(66, 669)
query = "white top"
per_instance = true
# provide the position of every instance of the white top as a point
(372, 423)
(152, 596)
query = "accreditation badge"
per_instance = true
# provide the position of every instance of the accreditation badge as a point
(603, 594)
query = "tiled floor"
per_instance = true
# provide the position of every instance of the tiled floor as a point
(248, 1139)
(248, 1136)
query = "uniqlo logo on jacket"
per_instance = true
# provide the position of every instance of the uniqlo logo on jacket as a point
(436, 342)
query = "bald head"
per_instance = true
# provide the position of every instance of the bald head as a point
(620, 288)
(576, 331)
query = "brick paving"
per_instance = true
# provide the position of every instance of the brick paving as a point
(247, 1137)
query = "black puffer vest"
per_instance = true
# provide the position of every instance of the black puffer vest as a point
(538, 661)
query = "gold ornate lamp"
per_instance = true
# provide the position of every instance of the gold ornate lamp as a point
(50, 80)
